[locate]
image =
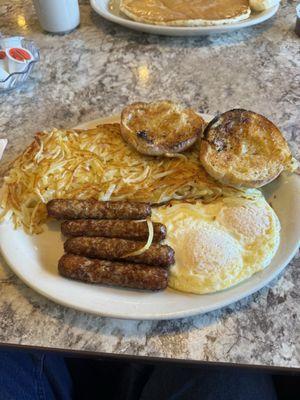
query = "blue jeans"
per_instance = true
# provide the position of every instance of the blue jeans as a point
(39, 376)
(33, 376)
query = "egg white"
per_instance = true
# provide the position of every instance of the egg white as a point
(219, 244)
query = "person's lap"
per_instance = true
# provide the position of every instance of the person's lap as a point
(30, 376)
(40, 376)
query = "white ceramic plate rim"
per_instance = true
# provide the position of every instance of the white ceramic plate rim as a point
(246, 288)
(102, 8)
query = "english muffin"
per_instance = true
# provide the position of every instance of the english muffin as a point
(160, 128)
(243, 149)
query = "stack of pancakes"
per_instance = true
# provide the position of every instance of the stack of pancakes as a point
(192, 12)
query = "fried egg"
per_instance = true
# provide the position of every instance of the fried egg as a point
(220, 244)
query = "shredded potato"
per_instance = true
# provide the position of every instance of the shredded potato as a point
(147, 244)
(97, 164)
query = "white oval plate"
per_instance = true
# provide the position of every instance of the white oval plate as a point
(102, 8)
(34, 259)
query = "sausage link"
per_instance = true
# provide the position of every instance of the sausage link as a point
(136, 276)
(76, 209)
(134, 230)
(117, 249)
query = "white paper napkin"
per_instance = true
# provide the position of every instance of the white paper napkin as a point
(3, 143)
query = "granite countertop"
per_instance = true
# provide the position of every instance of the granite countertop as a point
(93, 72)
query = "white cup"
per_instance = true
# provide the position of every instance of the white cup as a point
(17, 65)
(57, 16)
(3, 63)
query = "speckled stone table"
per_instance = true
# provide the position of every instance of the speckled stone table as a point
(93, 72)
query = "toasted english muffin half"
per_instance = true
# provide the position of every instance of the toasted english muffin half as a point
(186, 12)
(160, 128)
(243, 149)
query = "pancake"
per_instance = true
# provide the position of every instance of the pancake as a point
(262, 5)
(186, 12)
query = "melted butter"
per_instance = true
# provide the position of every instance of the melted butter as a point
(174, 10)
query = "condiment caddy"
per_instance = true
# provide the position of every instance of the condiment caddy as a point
(17, 58)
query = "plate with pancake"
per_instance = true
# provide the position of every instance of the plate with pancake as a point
(179, 19)
(252, 236)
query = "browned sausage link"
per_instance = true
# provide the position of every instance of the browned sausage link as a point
(76, 209)
(116, 249)
(135, 276)
(135, 230)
